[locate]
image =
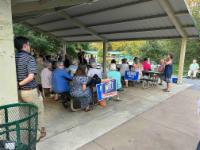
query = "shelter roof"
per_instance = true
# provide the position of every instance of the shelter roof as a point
(112, 20)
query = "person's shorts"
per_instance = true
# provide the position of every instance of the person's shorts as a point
(167, 80)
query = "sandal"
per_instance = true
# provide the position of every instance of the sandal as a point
(42, 134)
(88, 109)
(166, 90)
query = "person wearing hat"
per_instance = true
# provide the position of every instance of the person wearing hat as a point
(114, 74)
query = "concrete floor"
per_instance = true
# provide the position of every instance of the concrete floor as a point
(172, 125)
(69, 131)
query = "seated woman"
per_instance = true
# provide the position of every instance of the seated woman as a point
(123, 68)
(114, 74)
(137, 66)
(146, 67)
(79, 89)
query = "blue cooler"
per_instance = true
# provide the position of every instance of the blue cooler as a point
(174, 79)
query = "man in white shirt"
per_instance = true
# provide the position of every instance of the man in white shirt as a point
(92, 71)
(194, 68)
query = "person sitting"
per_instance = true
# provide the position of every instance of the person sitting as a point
(79, 88)
(137, 66)
(146, 65)
(113, 61)
(114, 74)
(193, 70)
(123, 68)
(92, 71)
(60, 80)
(73, 67)
(46, 79)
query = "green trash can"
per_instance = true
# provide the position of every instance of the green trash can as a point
(18, 126)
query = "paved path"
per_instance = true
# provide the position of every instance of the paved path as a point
(172, 125)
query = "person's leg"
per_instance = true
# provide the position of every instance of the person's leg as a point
(195, 74)
(34, 97)
(168, 85)
(126, 83)
(189, 73)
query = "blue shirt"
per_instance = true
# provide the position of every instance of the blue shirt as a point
(25, 65)
(60, 79)
(117, 76)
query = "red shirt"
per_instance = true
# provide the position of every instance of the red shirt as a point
(146, 66)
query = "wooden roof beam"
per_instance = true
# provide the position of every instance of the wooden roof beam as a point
(166, 6)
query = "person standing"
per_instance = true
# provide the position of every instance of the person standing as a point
(193, 70)
(168, 71)
(26, 69)
(40, 66)
(92, 60)
(46, 79)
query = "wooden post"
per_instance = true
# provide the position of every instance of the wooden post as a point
(104, 57)
(182, 59)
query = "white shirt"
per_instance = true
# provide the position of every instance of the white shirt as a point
(46, 77)
(93, 71)
(194, 67)
(123, 69)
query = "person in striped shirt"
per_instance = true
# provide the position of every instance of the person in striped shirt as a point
(26, 69)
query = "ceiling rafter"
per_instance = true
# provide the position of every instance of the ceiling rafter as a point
(81, 25)
(98, 11)
(125, 31)
(118, 21)
(166, 6)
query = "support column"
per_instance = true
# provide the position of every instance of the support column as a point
(182, 59)
(8, 84)
(104, 57)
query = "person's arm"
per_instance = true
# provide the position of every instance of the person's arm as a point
(50, 78)
(197, 66)
(84, 87)
(27, 79)
(67, 76)
(168, 62)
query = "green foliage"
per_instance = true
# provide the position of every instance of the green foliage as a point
(154, 50)
(41, 43)
(44, 45)
(72, 48)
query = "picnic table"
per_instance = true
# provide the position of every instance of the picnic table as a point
(150, 78)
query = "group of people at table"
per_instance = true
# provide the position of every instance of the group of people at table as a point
(82, 74)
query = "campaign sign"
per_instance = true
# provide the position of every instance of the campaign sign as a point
(106, 89)
(131, 75)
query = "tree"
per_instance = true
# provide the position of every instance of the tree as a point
(41, 43)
